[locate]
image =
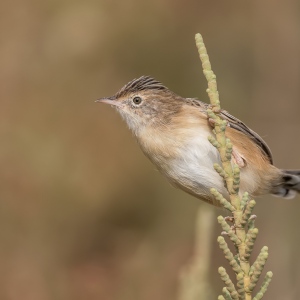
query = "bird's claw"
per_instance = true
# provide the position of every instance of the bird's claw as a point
(238, 159)
(229, 219)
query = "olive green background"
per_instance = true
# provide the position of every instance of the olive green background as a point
(83, 214)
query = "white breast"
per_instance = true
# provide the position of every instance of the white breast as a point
(193, 169)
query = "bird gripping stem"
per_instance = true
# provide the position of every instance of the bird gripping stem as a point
(242, 237)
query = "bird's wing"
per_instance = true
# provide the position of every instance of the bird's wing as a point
(236, 124)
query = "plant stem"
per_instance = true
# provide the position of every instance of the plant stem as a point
(242, 235)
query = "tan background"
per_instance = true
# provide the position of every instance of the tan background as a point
(83, 214)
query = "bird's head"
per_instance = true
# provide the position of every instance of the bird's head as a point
(145, 102)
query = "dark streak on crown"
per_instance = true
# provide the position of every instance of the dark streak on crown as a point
(140, 84)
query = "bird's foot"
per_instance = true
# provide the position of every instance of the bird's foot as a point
(238, 158)
(229, 219)
(211, 122)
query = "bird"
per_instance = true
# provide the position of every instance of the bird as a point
(173, 132)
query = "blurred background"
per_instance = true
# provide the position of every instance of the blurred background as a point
(83, 214)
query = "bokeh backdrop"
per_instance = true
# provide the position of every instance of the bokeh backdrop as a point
(83, 214)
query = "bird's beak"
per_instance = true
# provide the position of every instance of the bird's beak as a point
(110, 101)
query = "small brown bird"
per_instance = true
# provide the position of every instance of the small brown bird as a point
(173, 133)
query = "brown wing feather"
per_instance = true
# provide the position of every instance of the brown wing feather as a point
(236, 124)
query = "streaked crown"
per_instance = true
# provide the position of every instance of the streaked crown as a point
(140, 84)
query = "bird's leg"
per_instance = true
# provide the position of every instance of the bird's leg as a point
(229, 219)
(237, 158)
(211, 122)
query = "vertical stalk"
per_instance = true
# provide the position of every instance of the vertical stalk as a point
(243, 235)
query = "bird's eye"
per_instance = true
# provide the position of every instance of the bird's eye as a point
(137, 100)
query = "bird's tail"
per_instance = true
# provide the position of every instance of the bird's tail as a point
(289, 185)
